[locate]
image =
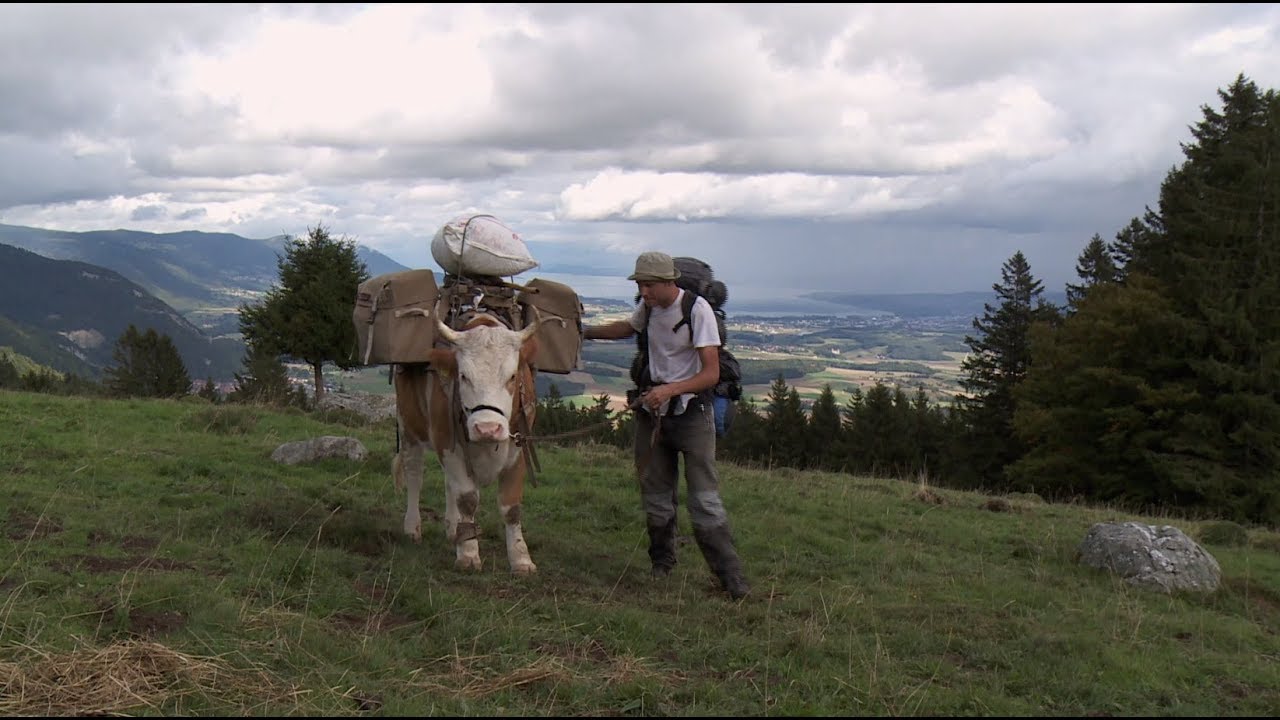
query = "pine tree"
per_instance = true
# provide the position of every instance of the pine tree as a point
(1166, 392)
(554, 414)
(927, 437)
(1219, 264)
(1095, 266)
(854, 459)
(1133, 241)
(265, 379)
(823, 438)
(597, 414)
(748, 443)
(785, 425)
(209, 391)
(9, 376)
(998, 360)
(881, 434)
(308, 315)
(147, 364)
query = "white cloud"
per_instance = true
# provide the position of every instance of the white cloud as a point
(890, 146)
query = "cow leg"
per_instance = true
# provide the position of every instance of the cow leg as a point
(510, 502)
(462, 498)
(407, 471)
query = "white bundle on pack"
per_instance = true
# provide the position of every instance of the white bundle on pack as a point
(480, 245)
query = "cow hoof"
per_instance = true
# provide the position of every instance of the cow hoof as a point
(467, 563)
(527, 568)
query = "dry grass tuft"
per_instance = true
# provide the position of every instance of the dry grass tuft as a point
(468, 677)
(924, 493)
(475, 677)
(125, 676)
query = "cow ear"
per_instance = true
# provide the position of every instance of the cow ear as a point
(529, 349)
(444, 360)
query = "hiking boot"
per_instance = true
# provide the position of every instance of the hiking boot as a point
(717, 548)
(662, 547)
(736, 585)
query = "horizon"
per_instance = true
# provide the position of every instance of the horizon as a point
(606, 285)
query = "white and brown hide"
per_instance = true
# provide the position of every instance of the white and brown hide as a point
(466, 404)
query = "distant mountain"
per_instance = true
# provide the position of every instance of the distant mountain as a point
(199, 274)
(68, 315)
(918, 305)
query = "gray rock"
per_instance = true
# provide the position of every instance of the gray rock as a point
(1155, 558)
(327, 446)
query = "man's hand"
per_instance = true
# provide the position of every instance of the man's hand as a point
(657, 395)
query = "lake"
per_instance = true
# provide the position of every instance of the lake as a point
(743, 300)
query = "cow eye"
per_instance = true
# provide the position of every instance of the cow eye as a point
(466, 380)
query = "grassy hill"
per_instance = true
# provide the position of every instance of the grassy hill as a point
(158, 562)
(68, 315)
(205, 276)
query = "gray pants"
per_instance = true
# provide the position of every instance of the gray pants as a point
(693, 435)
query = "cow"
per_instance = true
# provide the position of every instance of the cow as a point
(466, 404)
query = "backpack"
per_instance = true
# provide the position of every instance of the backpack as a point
(697, 280)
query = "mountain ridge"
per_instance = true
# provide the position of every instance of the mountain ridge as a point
(191, 270)
(68, 314)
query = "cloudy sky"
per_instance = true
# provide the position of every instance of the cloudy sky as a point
(876, 148)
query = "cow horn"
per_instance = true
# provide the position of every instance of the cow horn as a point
(447, 332)
(532, 327)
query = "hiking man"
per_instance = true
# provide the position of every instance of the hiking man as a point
(674, 416)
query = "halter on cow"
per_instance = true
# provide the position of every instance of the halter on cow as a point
(467, 404)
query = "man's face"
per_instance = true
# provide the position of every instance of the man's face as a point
(657, 293)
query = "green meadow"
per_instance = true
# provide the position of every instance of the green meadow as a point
(156, 561)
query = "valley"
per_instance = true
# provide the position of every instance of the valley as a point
(809, 351)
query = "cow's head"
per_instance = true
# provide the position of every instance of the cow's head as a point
(487, 360)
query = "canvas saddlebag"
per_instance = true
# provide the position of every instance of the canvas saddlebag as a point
(559, 335)
(393, 317)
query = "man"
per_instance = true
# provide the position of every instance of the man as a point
(678, 405)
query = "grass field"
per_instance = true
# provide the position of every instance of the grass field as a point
(157, 562)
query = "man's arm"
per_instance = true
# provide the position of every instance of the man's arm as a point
(616, 330)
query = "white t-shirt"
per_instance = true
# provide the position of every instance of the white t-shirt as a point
(672, 357)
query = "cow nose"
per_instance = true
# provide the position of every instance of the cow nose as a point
(489, 431)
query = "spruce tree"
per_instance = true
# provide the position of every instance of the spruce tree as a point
(147, 364)
(209, 391)
(785, 425)
(265, 379)
(1133, 241)
(554, 414)
(749, 440)
(1090, 419)
(998, 360)
(308, 315)
(1095, 266)
(1166, 392)
(927, 435)
(1219, 264)
(9, 376)
(824, 434)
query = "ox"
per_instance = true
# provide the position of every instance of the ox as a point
(466, 404)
